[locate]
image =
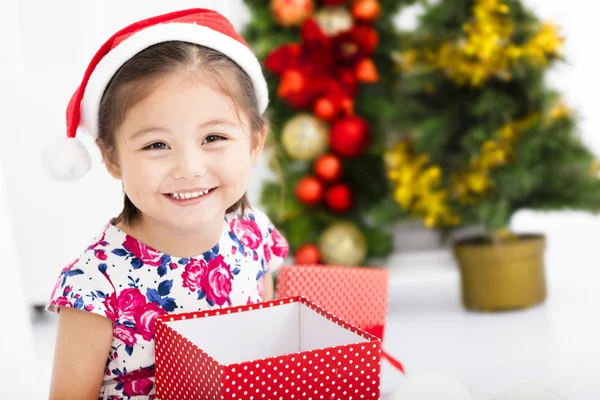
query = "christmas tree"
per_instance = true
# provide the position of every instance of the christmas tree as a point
(481, 135)
(330, 75)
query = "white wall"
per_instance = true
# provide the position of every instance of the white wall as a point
(46, 46)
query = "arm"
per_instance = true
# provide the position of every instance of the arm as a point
(83, 343)
(268, 287)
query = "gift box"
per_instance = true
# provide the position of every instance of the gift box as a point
(283, 349)
(358, 295)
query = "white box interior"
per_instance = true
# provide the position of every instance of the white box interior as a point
(262, 333)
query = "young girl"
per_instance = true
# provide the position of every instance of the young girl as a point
(176, 106)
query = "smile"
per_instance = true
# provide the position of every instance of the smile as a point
(190, 195)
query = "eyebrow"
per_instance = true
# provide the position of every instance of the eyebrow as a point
(213, 122)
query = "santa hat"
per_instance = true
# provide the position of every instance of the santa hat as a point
(67, 158)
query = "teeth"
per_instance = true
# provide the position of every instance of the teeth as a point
(189, 195)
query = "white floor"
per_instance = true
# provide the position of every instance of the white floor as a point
(556, 344)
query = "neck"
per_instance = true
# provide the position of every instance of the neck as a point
(177, 242)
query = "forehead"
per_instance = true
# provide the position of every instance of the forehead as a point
(185, 97)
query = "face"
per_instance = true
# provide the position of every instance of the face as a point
(183, 154)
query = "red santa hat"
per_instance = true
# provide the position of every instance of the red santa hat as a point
(67, 158)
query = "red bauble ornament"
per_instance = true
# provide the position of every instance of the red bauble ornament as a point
(366, 71)
(309, 191)
(339, 197)
(291, 12)
(328, 168)
(366, 10)
(349, 137)
(307, 254)
(325, 109)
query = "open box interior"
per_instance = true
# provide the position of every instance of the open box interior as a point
(264, 332)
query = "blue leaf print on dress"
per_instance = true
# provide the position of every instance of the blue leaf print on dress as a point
(165, 259)
(165, 287)
(78, 303)
(133, 283)
(120, 252)
(102, 268)
(236, 271)
(184, 261)
(129, 350)
(168, 304)
(153, 296)
(136, 263)
(162, 270)
(201, 294)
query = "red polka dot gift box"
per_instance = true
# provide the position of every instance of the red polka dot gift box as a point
(284, 349)
(358, 295)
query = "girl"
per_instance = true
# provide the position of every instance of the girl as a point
(176, 105)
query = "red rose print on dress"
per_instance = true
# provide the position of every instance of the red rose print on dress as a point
(192, 276)
(247, 232)
(129, 301)
(138, 387)
(111, 304)
(62, 301)
(125, 334)
(216, 282)
(145, 317)
(146, 254)
(280, 246)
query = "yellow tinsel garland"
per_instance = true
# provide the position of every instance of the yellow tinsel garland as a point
(486, 49)
(417, 181)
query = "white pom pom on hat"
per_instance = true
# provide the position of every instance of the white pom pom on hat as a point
(68, 159)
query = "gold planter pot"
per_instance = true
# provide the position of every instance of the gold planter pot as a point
(504, 276)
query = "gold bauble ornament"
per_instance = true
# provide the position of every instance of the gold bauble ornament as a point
(305, 137)
(291, 12)
(343, 244)
(334, 19)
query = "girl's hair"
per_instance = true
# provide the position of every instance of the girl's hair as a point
(137, 78)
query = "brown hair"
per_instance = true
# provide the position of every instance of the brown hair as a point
(137, 78)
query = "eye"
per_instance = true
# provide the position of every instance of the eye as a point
(156, 146)
(213, 138)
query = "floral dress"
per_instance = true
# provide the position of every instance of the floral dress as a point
(130, 283)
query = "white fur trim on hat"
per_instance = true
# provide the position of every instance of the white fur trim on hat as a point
(165, 32)
(66, 159)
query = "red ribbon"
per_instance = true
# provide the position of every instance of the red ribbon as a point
(397, 364)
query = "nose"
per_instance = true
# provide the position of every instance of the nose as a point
(189, 163)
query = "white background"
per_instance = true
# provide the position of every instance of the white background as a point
(46, 46)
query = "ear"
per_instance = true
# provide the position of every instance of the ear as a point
(259, 144)
(109, 157)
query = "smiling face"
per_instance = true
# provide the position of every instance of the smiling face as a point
(183, 153)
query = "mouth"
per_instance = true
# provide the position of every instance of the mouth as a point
(189, 197)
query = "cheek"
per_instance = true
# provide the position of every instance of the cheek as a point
(141, 176)
(236, 163)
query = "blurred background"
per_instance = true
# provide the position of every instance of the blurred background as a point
(402, 90)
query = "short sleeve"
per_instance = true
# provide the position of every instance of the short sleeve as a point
(83, 285)
(275, 246)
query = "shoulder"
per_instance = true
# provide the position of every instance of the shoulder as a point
(261, 219)
(275, 245)
(254, 222)
(84, 282)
